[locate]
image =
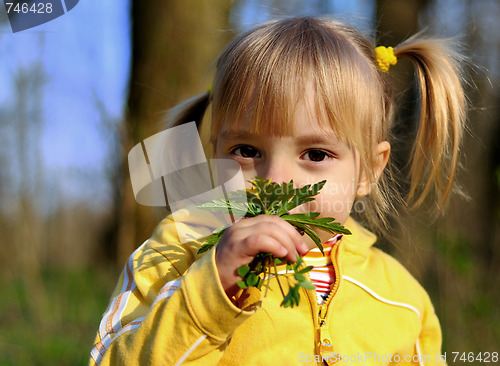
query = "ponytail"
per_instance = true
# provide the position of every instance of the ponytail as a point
(435, 152)
(190, 110)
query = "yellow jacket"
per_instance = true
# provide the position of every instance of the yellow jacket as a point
(169, 309)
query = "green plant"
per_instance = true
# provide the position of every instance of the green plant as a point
(269, 198)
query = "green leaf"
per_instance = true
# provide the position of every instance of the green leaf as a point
(253, 210)
(221, 229)
(306, 269)
(242, 284)
(315, 238)
(254, 204)
(236, 204)
(252, 280)
(288, 193)
(204, 248)
(324, 223)
(292, 298)
(243, 270)
(278, 260)
(299, 277)
(214, 239)
(307, 285)
(273, 198)
(298, 262)
(264, 191)
(303, 195)
(317, 187)
(215, 205)
(255, 198)
(301, 217)
(288, 300)
(294, 291)
(211, 240)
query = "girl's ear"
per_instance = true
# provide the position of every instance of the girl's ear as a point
(382, 152)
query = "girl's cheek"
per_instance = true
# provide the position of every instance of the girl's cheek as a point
(249, 175)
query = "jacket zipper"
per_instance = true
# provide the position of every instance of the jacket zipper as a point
(325, 345)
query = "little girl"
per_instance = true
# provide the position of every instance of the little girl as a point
(304, 99)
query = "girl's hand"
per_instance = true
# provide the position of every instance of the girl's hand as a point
(245, 239)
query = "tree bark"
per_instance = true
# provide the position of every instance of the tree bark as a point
(174, 45)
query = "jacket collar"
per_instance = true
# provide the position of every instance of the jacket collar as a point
(360, 238)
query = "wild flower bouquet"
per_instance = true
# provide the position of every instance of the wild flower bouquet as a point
(269, 198)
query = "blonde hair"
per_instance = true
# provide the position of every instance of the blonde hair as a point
(263, 73)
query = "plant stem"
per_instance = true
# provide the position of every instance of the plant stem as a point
(268, 278)
(278, 279)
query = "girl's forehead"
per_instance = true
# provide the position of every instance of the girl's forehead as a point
(279, 116)
(303, 117)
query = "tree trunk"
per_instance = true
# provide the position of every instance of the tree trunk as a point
(174, 45)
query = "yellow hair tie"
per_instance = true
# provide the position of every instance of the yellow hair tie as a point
(209, 89)
(385, 57)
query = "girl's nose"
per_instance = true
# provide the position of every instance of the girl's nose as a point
(277, 171)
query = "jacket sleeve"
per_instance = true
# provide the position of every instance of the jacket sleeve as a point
(429, 341)
(181, 319)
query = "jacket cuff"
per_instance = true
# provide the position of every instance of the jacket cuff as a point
(211, 309)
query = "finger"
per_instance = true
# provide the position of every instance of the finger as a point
(279, 233)
(290, 231)
(239, 246)
(273, 226)
(258, 242)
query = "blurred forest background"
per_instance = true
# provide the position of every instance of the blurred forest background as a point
(60, 258)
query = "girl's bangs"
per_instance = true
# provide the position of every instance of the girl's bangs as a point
(270, 108)
(263, 76)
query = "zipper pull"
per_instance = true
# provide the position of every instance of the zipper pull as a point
(328, 356)
(325, 345)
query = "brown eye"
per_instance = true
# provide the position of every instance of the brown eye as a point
(316, 155)
(246, 152)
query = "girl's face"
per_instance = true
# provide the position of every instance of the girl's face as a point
(313, 154)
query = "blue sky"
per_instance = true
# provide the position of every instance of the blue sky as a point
(250, 12)
(85, 55)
